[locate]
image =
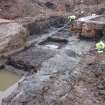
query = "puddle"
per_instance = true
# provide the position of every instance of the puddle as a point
(7, 79)
(54, 43)
(52, 46)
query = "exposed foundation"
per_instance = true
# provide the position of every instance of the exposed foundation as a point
(89, 27)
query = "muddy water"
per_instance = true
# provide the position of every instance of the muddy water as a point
(7, 79)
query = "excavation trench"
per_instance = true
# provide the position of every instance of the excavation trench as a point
(51, 63)
(14, 67)
(41, 35)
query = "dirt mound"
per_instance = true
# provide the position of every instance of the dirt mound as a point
(17, 8)
(21, 8)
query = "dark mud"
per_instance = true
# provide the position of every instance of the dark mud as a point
(30, 59)
(54, 41)
(57, 70)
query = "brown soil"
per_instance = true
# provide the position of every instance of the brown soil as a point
(90, 87)
(12, 9)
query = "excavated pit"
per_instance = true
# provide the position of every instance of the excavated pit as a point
(31, 58)
(52, 72)
(43, 45)
(27, 61)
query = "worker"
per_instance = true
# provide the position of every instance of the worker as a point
(100, 46)
(71, 18)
